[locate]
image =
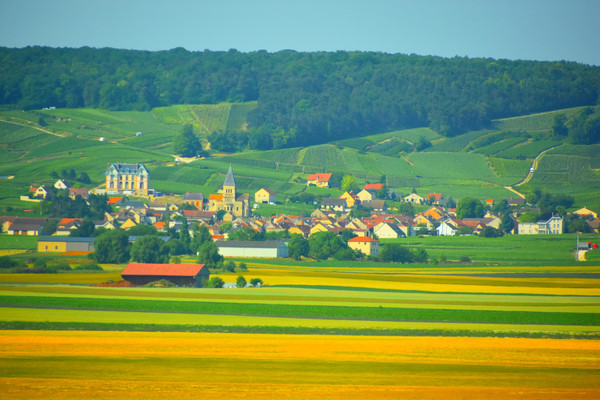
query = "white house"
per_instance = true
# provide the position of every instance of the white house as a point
(447, 228)
(386, 230)
(414, 198)
(554, 226)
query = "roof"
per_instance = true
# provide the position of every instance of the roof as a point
(248, 243)
(333, 201)
(362, 239)
(229, 180)
(373, 186)
(114, 200)
(321, 177)
(436, 196)
(218, 197)
(66, 239)
(193, 196)
(143, 269)
(128, 168)
(270, 191)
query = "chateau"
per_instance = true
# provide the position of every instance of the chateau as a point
(227, 200)
(127, 178)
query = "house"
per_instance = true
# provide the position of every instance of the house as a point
(437, 199)
(447, 228)
(54, 244)
(6, 222)
(194, 199)
(115, 200)
(351, 199)
(333, 203)
(366, 245)
(366, 195)
(585, 212)
(42, 192)
(61, 185)
(553, 226)
(74, 192)
(515, 201)
(228, 200)
(434, 213)
(190, 275)
(319, 179)
(127, 178)
(489, 202)
(375, 205)
(303, 230)
(265, 195)
(414, 198)
(263, 249)
(373, 187)
(388, 230)
(67, 225)
(27, 226)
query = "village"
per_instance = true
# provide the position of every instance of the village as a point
(365, 217)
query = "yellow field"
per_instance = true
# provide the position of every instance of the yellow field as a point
(112, 365)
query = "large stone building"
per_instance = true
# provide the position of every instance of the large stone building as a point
(127, 178)
(228, 200)
(553, 226)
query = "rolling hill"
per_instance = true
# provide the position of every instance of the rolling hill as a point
(481, 163)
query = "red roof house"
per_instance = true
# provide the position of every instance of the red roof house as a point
(191, 275)
(321, 180)
(373, 186)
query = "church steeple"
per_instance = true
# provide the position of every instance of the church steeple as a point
(229, 186)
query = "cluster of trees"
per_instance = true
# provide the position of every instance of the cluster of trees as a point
(582, 128)
(58, 204)
(72, 175)
(303, 98)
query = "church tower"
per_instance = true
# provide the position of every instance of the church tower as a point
(229, 187)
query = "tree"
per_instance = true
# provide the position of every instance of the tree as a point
(349, 183)
(256, 282)
(406, 208)
(84, 178)
(559, 129)
(579, 225)
(298, 246)
(491, 232)
(394, 252)
(201, 235)
(176, 247)
(529, 216)
(470, 208)
(112, 247)
(142, 230)
(86, 229)
(241, 282)
(50, 227)
(323, 245)
(208, 254)
(186, 143)
(184, 234)
(507, 223)
(214, 282)
(150, 249)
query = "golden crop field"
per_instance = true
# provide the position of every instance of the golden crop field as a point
(113, 365)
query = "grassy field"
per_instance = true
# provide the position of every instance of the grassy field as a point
(509, 326)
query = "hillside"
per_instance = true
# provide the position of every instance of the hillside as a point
(478, 163)
(301, 99)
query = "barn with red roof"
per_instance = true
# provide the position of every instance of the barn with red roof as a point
(190, 275)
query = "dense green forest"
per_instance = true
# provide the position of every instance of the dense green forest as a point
(303, 98)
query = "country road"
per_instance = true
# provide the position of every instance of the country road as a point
(532, 170)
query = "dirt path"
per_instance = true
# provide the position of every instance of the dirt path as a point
(32, 126)
(534, 166)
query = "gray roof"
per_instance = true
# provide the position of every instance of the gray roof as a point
(247, 243)
(66, 239)
(193, 196)
(333, 201)
(128, 168)
(229, 180)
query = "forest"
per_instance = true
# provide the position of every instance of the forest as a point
(303, 98)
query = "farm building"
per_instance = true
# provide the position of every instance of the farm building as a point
(265, 249)
(190, 275)
(57, 244)
(27, 226)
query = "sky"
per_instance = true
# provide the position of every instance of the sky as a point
(545, 30)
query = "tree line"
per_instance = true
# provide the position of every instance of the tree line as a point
(303, 98)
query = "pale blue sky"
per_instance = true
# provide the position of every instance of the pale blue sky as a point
(512, 29)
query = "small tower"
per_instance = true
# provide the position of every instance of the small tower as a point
(229, 187)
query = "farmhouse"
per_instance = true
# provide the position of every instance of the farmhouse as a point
(190, 275)
(74, 192)
(319, 179)
(227, 200)
(265, 195)
(265, 249)
(333, 203)
(367, 245)
(351, 199)
(56, 244)
(414, 198)
(27, 226)
(61, 185)
(127, 178)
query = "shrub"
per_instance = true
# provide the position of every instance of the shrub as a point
(88, 267)
(214, 282)
(241, 282)
(256, 282)
(7, 262)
